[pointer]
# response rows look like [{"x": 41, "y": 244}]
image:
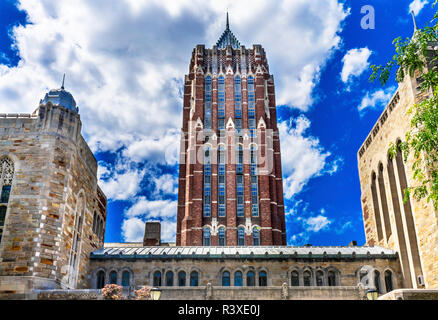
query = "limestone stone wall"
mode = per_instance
[
  {"x": 415, "y": 238},
  {"x": 54, "y": 167},
  {"x": 278, "y": 272}
]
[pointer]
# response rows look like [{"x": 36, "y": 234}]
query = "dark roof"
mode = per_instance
[
  {"x": 228, "y": 38},
  {"x": 259, "y": 252}
]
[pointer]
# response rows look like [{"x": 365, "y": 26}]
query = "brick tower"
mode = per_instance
[{"x": 230, "y": 181}]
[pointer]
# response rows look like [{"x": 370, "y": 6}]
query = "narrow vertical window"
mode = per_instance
[
  {"x": 181, "y": 279},
  {"x": 240, "y": 236},
  {"x": 225, "y": 279},
  {"x": 206, "y": 238},
  {"x": 222, "y": 236},
  {"x": 254, "y": 182},
  {"x": 221, "y": 102},
  {"x": 157, "y": 279},
  {"x": 250, "y": 279},
  {"x": 319, "y": 278},
  {"x": 238, "y": 279},
  {"x": 251, "y": 106},
  {"x": 207, "y": 103},
  {"x": 331, "y": 278},
  {"x": 376, "y": 206},
  {"x": 307, "y": 278},
  {"x": 100, "y": 281},
  {"x": 384, "y": 202},
  {"x": 294, "y": 281},
  {"x": 169, "y": 279},
  {"x": 263, "y": 279},
  {"x": 238, "y": 103},
  {"x": 194, "y": 281},
  {"x": 240, "y": 195},
  {"x": 388, "y": 281},
  {"x": 113, "y": 277},
  {"x": 6, "y": 177},
  {"x": 207, "y": 182},
  {"x": 221, "y": 181},
  {"x": 377, "y": 281},
  {"x": 255, "y": 236},
  {"x": 76, "y": 241},
  {"x": 125, "y": 279}
]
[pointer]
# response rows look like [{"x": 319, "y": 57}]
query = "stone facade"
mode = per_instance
[
  {"x": 55, "y": 204},
  {"x": 331, "y": 276},
  {"x": 410, "y": 228},
  {"x": 229, "y": 103}
]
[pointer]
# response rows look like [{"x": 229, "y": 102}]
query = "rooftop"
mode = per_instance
[
  {"x": 228, "y": 38},
  {"x": 261, "y": 252}
]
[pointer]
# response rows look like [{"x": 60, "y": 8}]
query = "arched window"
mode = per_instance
[
  {"x": 319, "y": 278},
  {"x": 6, "y": 177},
  {"x": 169, "y": 279},
  {"x": 181, "y": 279},
  {"x": 206, "y": 237},
  {"x": 225, "y": 279},
  {"x": 250, "y": 279},
  {"x": 307, "y": 278},
  {"x": 294, "y": 281},
  {"x": 125, "y": 279},
  {"x": 331, "y": 278},
  {"x": 222, "y": 236},
  {"x": 76, "y": 243},
  {"x": 194, "y": 281},
  {"x": 377, "y": 281},
  {"x": 100, "y": 282},
  {"x": 388, "y": 281},
  {"x": 157, "y": 279},
  {"x": 238, "y": 280},
  {"x": 263, "y": 279},
  {"x": 240, "y": 236},
  {"x": 113, "y": 277},
  {"x": 256, "y": 236}
]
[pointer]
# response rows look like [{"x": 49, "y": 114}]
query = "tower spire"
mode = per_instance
[
  {"x": 228, "y": 23},
  {"x": 413, "y": 18},
  {"x": 63, "y": 79}
]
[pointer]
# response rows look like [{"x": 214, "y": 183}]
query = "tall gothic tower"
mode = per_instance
[{"x": 230, "y": 180}]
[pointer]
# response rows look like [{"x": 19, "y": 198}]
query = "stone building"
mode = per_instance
[
  {"x": 411, "y": 227},
  {"x": 52, "y": 212},
  {"x": 230, "y": 180}
]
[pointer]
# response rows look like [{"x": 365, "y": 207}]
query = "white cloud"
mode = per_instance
[
  {"x": 152, "y": 208},
  {"x": 354, "y": 62},
  {"x": 317, "y": 223},
  {"x": 377, "y": 99},
  {"x": 302, "y": 156},
  {"x": 417, "y": 6},
  {"x": 167, "y": 184},
  {"x": 120, "y": 186}
]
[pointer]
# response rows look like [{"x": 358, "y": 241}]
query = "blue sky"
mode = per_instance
[{"x": 125, "y": 64}]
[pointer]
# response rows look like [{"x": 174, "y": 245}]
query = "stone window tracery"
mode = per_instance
[{"x": 6, "y": 178}]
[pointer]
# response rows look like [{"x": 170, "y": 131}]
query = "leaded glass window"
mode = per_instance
[
  {"x": 225, "y": 279},
  {"x": 206, "y": 237},
  {"x": 6, "y": 178},
  {"x": 240, "y": 236},
  {"x": 125, "y": 278},
  {"x": 238, "y": 279},
  {"x": 194, "y": 279},
  {"x": 256, "y": 236},
  {"x": 207, "y": 103},
  {"x": 222, "y": 236}
]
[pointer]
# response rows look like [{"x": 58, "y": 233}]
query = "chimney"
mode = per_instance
[
  {"x": 152, "y": 234},
  {"x": 353, "y": 243}
]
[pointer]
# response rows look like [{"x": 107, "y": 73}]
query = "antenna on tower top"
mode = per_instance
[
  {"x": 413, "y": 18},
  {"x": 63, "y": 79},
  {"x": 228, "y": 24}
]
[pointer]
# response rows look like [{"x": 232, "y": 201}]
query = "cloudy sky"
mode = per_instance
[{"x": 125, "y": 61}]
